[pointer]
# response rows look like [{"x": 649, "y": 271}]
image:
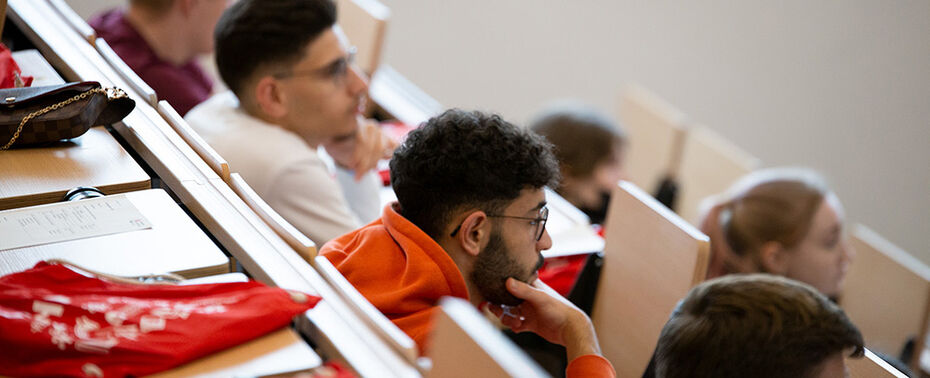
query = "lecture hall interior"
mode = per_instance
[{"x": 177, "y": 197}]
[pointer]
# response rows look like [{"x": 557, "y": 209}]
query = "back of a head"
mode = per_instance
[
  {"x": 771, "y": 205},
  {"x": 753, "y": 326},
  {"x": 255, "y": 34},
  {"x": 582, "y": 135},
  {"x": 461, "y": 159}
]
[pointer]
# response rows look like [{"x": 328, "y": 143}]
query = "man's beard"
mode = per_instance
[{"x": 492, "y": 268}]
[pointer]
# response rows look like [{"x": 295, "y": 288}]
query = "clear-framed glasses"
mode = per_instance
[
  {"x": 539, "y": 221},
  {"x": 336, "y": 71}
]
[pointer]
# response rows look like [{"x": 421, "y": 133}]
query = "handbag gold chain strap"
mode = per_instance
[{"x": 111, "y": 93}]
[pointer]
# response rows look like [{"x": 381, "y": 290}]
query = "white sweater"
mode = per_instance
[{"x": 321, "y": 201}]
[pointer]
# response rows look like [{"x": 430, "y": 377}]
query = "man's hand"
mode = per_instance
[
  {"x": 361, "y": 150},
  {"x": 549, "y": 315}
]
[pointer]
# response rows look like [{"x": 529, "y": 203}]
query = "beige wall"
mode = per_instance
[{"x": 841, "y": 86}]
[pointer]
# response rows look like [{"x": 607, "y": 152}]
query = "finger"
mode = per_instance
[{"x": 521, "y": 290}]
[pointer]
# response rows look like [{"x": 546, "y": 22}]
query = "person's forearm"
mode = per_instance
[{"x": 580, "y": 339}]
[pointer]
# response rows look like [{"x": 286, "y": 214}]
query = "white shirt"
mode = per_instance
[{"x": 286, "y": 172}]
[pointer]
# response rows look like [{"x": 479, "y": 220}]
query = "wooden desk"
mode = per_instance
[
  {"x": 173, "y": 244},
  {"x": 31, "y": 63},
  {"x": 34, "y": 176},
  {"x": 278, "y": 352}
]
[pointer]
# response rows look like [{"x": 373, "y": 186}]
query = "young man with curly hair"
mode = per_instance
[{"x": 470, "y": 222}]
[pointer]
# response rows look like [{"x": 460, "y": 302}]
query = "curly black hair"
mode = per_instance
[{"x": 462, "y": 159}]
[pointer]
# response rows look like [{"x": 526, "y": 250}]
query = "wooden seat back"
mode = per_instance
[{"x": 652, "y": 258}]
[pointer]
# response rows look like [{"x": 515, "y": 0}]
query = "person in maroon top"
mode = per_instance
[{"x": 160, "y": 40}]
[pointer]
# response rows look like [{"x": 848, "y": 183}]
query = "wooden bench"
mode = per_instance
[
  {"x": 709, "y": 165},
  {"x": 887, "y": 294},
  {"x": 652, "y": 258},
  {"x": 464, "y": 344}
]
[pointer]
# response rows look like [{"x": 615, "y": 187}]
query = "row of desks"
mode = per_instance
[{"x": 204, "y": 203}]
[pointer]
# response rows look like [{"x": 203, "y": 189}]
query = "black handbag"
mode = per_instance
[{"x": 35, "y": 115}]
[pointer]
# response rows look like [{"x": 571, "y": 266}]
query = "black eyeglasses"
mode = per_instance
[
  {"x": 539, "y": 221},
  {"x": 337, "y": 71}
]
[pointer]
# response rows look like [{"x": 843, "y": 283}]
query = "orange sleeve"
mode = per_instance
[{"x": 590, "y": 365}]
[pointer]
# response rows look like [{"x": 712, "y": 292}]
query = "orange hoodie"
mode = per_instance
[
  {"x": 403, "y": 272},
  {"x": 400, "y": 269}
]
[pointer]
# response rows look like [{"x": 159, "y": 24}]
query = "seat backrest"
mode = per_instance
[
  {"x": 464, "y": 344},
  {"x": 389, "y": 332},
  {"x": 887, "y": 294},
  {"x": 656, "y": 133},
  {"x": 871, "y": 366},
  {"x": 652, "y": 258},
  {"x": 304, "y": 247},
  {"x": 364, "y": 22},
  {"x": 709, "y": 165},
  {"x": 200, "y": 146}
]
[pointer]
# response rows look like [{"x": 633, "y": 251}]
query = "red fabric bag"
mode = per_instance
[
  {"x": 57, "y": 322},
  {"x": 9, "y": 69}
]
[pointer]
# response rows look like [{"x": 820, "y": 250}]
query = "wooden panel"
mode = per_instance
[
  {"x": 887, "y": 293},
  {"x": 74, "y": 20},
  {"x": 305, "y": 247},
  {"x": 651, "y": 259},
  {"x": 135, "y": 82},
  {"x": 39, "y": 175},
  {"x": 200, "y": 146},
  {"x": 366, "y": 311},
  {"x": 709, "y": 165},
  {"x": 173, "y": 244},
  {"x": 466, "y": 345},
  {"x": 656, "y": 133},
  {"x": 364, "y": 22},
  {"x": 400, "y": 98},
  {"x": 871, "y": 366},
  {"x": 278, "y": 352}
]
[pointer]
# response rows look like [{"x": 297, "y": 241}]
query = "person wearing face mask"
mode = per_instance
[
  {"x": 469, "y": 222},
  {"x": 783, "y": 221},
  {"x": 589, "y": 147}
]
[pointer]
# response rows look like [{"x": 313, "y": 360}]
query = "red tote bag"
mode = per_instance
[{"x": 57, "y": 322}]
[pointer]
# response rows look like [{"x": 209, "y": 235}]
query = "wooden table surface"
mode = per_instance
[{"x": 39, "y": 175}]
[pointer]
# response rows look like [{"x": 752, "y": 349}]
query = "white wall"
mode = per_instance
[{"x": 842, "y": 86}]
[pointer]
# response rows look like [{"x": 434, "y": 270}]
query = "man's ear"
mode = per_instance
[
  {"x": 475, "y": 230},
  {"x": 774, "y": 258},
  {"x": 269, "y": 98}
]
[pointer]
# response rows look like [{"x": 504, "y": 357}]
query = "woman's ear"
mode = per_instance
[
  {"x": 270, "y": 99},
  {"x": 774, "y": 258},
  {"x": 474, "y": 232}
]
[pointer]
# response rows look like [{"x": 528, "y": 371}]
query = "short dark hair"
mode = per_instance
[
  {"x": 755, "y": 325},
  {"x": 255, "y": 33},
  {"x": 582, "y": 135},
  {"x": 462, "y": 159}
]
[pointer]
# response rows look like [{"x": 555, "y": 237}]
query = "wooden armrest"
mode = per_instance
[
  {"x": 200, "y": 146},
  {"x": 73, "y": 19},
  {"x": 366, "y": 311},
  {"x": 305, "y": 247},
  {"x": 138, "y": 85}
]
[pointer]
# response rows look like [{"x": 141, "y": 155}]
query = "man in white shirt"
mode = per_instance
[{"x": 294, "y": 88}]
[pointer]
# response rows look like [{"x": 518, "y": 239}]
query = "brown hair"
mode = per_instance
[
  {"x": 755, "y": 325},
  {"x": 772, "y": 205},
  {"x": 583, "y": 136}
]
